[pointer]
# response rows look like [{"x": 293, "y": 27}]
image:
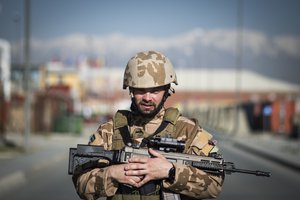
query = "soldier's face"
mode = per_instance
[{"x": 148, "y": 100}]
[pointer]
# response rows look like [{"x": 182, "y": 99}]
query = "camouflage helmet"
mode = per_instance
[{"x": 149, "y": 69}]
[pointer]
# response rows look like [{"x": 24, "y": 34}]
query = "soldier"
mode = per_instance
[{"x": 149, "y": 75}]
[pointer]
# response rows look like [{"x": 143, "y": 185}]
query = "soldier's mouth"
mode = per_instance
[{"x": 147, "y": 106}]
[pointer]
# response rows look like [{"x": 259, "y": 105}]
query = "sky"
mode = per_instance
[{"x": 192, "y": 33}]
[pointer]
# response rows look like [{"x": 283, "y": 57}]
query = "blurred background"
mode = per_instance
[{"x": 61, "y": 72}]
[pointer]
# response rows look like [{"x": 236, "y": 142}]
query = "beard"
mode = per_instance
[{"x": 146, "y": 109}]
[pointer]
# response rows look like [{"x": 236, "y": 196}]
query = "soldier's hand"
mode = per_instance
[
  {"x": 154, "y": 168},
  {"x": 117, "y": 172}
]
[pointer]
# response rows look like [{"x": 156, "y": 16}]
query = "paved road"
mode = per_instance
[
  {"x": 283, "y": 183},
  {"x": 48, "y": 179},
  {"x": 45, "y": 178}
]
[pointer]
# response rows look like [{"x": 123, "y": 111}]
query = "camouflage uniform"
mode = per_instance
[{"x": 146, "y": 70}]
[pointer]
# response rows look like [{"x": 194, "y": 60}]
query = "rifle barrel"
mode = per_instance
[{"x": 246, "y": 171}]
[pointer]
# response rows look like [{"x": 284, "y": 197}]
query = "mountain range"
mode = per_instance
[{"x": 272, "y": 56}]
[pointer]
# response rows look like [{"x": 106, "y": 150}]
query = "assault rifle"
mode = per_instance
[{"x": 86, "y": 157}]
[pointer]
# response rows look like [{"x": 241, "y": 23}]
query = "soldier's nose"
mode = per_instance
[{"x": 147, "y": 96}]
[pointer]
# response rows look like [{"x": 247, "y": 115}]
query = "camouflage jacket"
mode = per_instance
[{"x": 189, "y": 182}]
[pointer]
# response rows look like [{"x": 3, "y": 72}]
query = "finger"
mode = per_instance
[
  {"x": 132, "y": 182},
  {"x": 134, "y": 166},
  {"x": 155, "y": 153},
  {"x": 136, "y": 172},
  {"x": 138, "y": 160},
  {"x": 137, "y": 179},
  {"x": 143, "y": 182}
]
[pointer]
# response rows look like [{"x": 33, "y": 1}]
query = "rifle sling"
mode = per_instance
[
  {"x": 161, "y": 127},
  {"x": 124, "y": 132},
  {"x": 128, "y": 140}
]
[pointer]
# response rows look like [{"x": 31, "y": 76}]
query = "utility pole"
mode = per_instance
[
  {"x": 239, "y": 62},
  {"x": 17, "y": 19},
  {"x": 27, "y": 106}
]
